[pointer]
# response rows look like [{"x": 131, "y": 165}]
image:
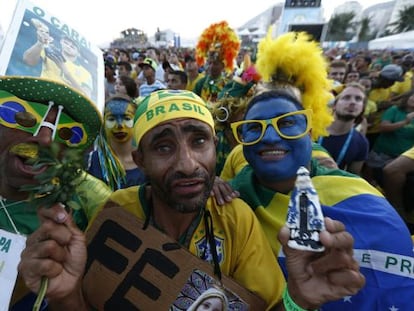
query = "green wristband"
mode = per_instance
[{"x": 288, "y": 302}]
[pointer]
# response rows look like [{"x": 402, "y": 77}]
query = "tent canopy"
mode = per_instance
[{"x": 401, "y": 41}]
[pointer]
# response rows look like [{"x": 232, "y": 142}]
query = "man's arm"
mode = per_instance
[
  {"x": 33, "y": 54},
  {"x": 355, "y": 167},
  {"x": 395, "y": 175}
]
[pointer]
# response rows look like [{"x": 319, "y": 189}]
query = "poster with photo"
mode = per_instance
[{"x": 40, "y": 44}]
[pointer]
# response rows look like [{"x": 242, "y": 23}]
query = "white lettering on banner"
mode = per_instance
[
  {"x": 11, "y": 246},
  {"x": 381, "y": 261},
  {"x": 386, "y": 262}
]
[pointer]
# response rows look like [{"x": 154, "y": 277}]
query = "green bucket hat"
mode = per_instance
[{"x": 42, "y": 91}]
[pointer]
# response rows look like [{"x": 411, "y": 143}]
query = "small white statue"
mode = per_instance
[{"x": 305, "y": 218}]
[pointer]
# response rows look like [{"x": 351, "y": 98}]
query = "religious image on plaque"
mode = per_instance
[{"x": 202, "y": 290}]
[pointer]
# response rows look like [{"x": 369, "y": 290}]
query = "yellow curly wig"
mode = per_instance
[{"x": 294, "y": 59}]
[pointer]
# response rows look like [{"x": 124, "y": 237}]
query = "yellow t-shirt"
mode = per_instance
[
  {"x": 52, "y": 71},
  {"x": 191, "y": 84},
  {"x": 245, "y": 255},
  {"x": 377, "y": 96},
  {"x": 370, "y": 107},
  {"x": 402, "y": 87}
]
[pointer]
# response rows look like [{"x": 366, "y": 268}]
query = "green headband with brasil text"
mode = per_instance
[{"x": 164, "y": 105}]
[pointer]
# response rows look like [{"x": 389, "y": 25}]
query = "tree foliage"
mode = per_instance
[
  {"x": 405, "y": 20},
  {"x": 365, "y": 33},
  {"x": 341, "y": 27}
]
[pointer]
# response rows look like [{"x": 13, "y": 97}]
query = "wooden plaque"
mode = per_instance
[{"x": 130, "y": 268}]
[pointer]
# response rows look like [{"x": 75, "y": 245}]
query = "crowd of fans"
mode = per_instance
[{"x": 372, "y": 104}]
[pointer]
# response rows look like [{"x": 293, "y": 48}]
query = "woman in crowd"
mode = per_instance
[
  {"x": 112, "y": 160},
  {"x": 126, "y": 86}
]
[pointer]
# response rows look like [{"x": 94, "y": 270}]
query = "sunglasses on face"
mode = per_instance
[
  {"x": 30, "y": 117},
  {"x": 292, "y": 125}
]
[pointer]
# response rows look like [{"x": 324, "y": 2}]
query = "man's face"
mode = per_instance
[
  {"x": 360, "y": 63},
  {"x": 275, "y": 158},
  {"x": 122, "y": 71},
  {"x": 119, "y": 121},
  {"x": 148, "y": 72},
  {"x": 109, "y": 72},
  {"x": 366, "y": 83},
  {"x": 337, "y": 73},
  {"x": 13, "y": 164},
  {"x": 69, "y": 48},
  {"x": 174, "y": 82},
  {"x": 123, "y": 57},
  {"x": 352, "y": 76},
  {"x": 191, "y": 66},
  {"x": 178, "y": 157},
  {"x": 151, "y": 54},
  {"x": 350, "y": 104},
  {"x": 216, "y": 68}
]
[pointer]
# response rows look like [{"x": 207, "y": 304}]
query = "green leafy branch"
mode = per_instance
[{"x": 57, "y": 183}]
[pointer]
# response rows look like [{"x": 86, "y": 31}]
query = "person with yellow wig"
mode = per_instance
[{"x": 281, "y": 121}]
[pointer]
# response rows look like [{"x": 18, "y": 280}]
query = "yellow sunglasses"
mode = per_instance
[{"x": 292, "y": 125}]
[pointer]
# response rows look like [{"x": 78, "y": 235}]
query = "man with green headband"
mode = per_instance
[
  {"x": 176, "y": 141},
  {"x": 34, "y": 113}
]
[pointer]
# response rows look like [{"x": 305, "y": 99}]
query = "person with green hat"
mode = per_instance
[
  {"x": 35, "y": 114},
  {"x": 175, "y": 136}
]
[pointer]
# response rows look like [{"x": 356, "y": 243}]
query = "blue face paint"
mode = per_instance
[
  {"x": 119, "y": 113},
  {"x": 275, "y": 158},
  {"x": 119, "y": 120}
]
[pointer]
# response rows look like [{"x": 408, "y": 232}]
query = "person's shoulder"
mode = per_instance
[
  {"x": 360, "y": 137},
  {"x": 243, "y": 178},
  {"x": 237, "y": 211},
  {"x": 131, "y": 199},
  {"x": 126, "y": 195},
  {"x": 159, "y": 84},
  {"x": 201, "y": 80},
  {"x": 335, "y": 186}
]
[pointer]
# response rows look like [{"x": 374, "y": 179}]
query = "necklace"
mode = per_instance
[
  {"x": 4, "y": 207},
  {"x": 185, "y": 239}
]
